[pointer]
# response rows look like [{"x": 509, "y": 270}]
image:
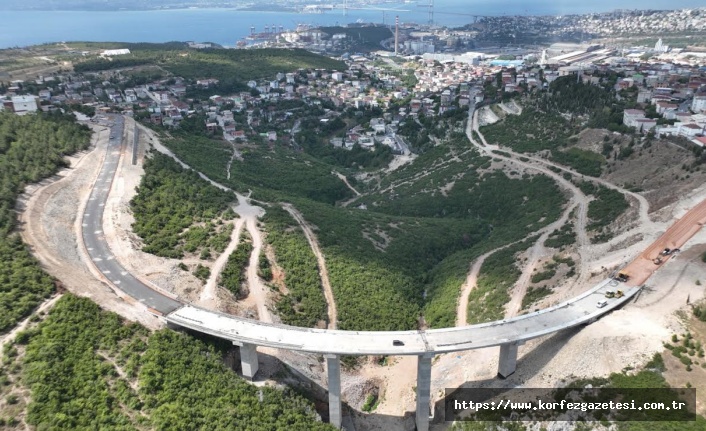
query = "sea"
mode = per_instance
[{"x": 227, "y": 26}]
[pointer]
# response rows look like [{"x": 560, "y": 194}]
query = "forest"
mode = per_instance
[
  {"x": 88, "y": 369},
  {"x": 32, "y": 147},
  {"x": 363, "y": 38},
  {"x": 567, "y": 95},
  {"x": 597, "y": 103},
  {"x": 168, "y": 201},
  {"x": 321, "y": 148},
  {"x": 304, "y": 304}
]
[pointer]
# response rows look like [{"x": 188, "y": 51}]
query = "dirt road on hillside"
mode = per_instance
[
  {"x": 209, "y": 294},
  {"x": 676, "y": 236},
  {"x": 323, "y": 272}
]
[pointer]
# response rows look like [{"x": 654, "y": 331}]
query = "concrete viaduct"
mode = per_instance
[{"x": 248, "y": 334}]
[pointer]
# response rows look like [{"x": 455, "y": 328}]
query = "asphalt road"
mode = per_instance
[{"x": 94, "y": 239}]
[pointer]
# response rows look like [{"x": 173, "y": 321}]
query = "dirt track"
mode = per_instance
[
  {"x": 676, "y": 236},
  {"x": 323, "y": 272}
]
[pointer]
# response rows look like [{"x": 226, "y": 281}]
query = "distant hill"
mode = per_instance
[
  {"x": 233, "y": 65},
  {"x": 111, "y": 5}
]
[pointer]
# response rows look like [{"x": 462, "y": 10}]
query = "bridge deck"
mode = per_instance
[{"x": 579, "y": 310}]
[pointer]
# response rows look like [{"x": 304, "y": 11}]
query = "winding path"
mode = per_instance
[
  {"x": 208, "y": 294},
  {"x": 543, "y": 165},
  {"x": 323, "y": 272},
  {"x": 469, "y": 285},
  {"x": 258, "y": 290},
  {"x": 579, "y": 199},
  {"x": 345, "y": 180}
]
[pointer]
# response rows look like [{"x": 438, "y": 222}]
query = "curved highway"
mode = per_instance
[
  {"x": 92, "y": 231},
  {"x": 577, "y": 311}
]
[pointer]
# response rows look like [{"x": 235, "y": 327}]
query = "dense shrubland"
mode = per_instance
[
  {"x": 604, "y": 209},
  {"x": 87, "y": 369},
  {"x": 388, "y": 253},
  {"x": 234, "y": 273},
  {"x": 498, "y": 274},
  {"x": 530, "y": 131},
  {"x": 304, "y": 304},
  {"x": 170, "y": 200},
  {"x": 286, "y": 172}
]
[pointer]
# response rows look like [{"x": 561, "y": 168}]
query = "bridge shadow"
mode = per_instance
[
  {"x": 528, "y": 366},
  {"x": 274, "y": 368}
]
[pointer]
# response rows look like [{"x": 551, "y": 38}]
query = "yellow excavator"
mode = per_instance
[{"x": 614, "y": 294}]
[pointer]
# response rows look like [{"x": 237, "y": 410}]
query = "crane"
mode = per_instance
[{"x": 429, "y": 5}]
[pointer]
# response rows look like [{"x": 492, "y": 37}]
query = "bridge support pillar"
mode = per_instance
[
  {"x": 507, "y": 362},
  {"x": 423, "y": 390},
  {"x": 333, "y": 366},
  {"x": 248, "y": 359}
]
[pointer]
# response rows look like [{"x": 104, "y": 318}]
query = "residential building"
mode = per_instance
[
  {"x": 699, "y": 104},
  {"x": 630, "y": 117},
  {"x": 24, "y": 104}
]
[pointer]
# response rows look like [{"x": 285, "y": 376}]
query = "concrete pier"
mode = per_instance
[
  {"x": 507, "y": 362},
  {"x": 248, "y": 359},
  {"x": 423, "y": 390},
  {"x": 333, "y": 366}
]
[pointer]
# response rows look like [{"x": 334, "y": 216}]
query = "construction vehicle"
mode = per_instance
[
  {"x": 622, "y": 277},
  {"x": 667, "y": 252},
  {"x": 657, "y": 260},
  {"x": 614, "y": 294}
]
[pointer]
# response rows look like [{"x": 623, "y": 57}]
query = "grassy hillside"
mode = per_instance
[{"x": 224, "y": 64}]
